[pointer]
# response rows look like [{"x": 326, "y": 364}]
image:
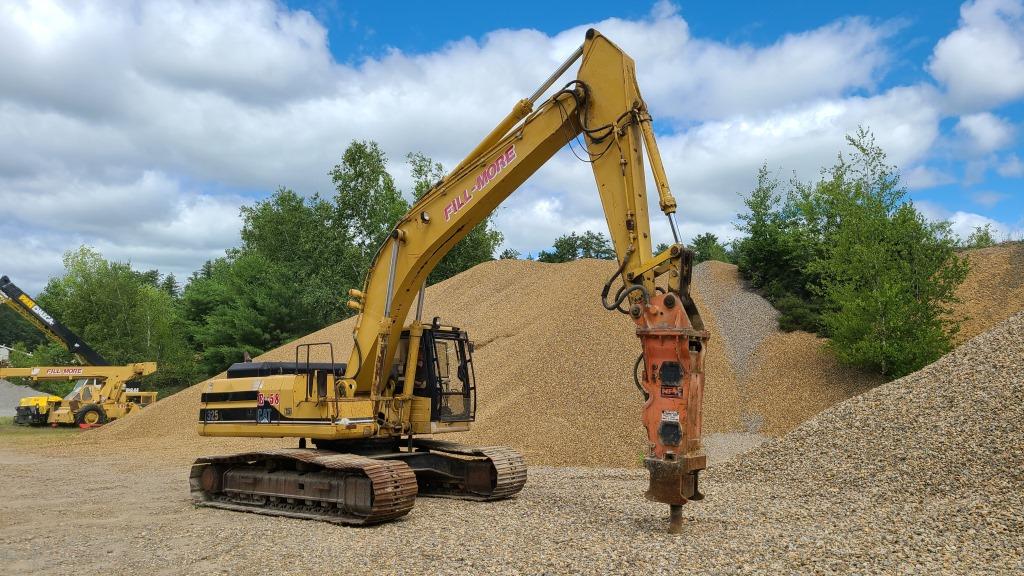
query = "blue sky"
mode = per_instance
[
  {"x": 140, "y": 128},
  {"x": 360, "y": 30}
]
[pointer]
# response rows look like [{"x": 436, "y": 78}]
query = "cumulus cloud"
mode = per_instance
[
  {"x": 688, "y": 78},
  {"x": 963, "y": 223},
  {"x": 988, "y": 198},
  {"x": 921, "y": 176},
  {"x": 981, "y": 63},
  {"x": 984, "y": 132},
  {"x": 149, "y": 123},
  {"x": 1012, "y": 167}
]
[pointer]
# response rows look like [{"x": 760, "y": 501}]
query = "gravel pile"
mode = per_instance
[
  {"x": 10, "y": 394},
  {"x": 993, "y": 290},
  {"x": 553, "y": 367},
  {"x": 923, "y": 475},
  {"x": 794, "y": 378},
  {"x": 744, "y": 319}
]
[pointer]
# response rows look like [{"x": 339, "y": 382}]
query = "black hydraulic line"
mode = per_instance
[
  {"x": 624, "y": 291},
  {"x": 636, "y": 378}
]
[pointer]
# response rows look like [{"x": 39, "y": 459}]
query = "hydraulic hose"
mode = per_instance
[
  {"x": 636, "y": 378},
  {"x": 623, "y": 292}
]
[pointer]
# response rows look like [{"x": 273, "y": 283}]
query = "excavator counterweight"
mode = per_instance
[{"x": 407, "y": 378}]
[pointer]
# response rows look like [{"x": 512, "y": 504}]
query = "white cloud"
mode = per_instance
[
  {"x": 984, "y": 132},
  {"x": 981, "y": 63},
  {"x": 146, "y": 120},
  {"x": 963, "y": 223},
  {"x": 687, "y": 78},
  {"x": 1012, "y": 167},
  {"x": 988, "y": 198},
  {"x": 922, "y": 177}
]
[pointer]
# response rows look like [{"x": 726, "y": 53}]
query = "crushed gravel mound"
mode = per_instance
[
  {"x": 963, "y": 414},
  {"x": 796, "y": 377},
  {"x": 924, "y": 475},
  {"x": 744, "y": 319},
  {"x": 929, "y": 467},
  {"x": 993, "y": 290},
  {"x": 553, "y": 366}
]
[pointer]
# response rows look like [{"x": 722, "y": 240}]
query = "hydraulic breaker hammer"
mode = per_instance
[{"x": 673, "y": 340}]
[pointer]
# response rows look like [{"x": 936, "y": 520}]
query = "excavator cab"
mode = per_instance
[{"x": 444, "y": 372}]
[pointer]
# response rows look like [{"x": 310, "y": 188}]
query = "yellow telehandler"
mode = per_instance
[{"x": 101, "y": 394}]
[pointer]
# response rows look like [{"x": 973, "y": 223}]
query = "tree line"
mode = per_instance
[
  {"x": 297, "y": 258},
  {"x": 847, "y": 256}
]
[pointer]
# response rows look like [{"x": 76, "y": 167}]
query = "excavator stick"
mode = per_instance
[{"x": 673, "y": 339}]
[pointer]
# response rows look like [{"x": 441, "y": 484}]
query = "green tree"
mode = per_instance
[
  {"x": 981, "y": 237},
  {"x": 478, "y": 246},
  {"x": 304, "y": 238},
  {"x": 574, "y": 246},
  {"x": 14, "y": 329},
  {"x": 783, "y": 236},
  {"x": 851, "y": 258},
  {"x": 299, "y": 255},
  {"x": 367, "y": 202},
  {"x": 510, "y": 254},
  {"x": 169, "y": 284},
  {"x": 122, "y": 314},
  {"x": 889, "y": 275},
  {"x": 243, "y": 303},
  {"x": 707, "y": 247},
  {"x": 46, "y": 354}
]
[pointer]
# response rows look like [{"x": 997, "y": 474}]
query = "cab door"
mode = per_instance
[{"x": 450, "y": 379}]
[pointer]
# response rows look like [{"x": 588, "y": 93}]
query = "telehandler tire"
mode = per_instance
[{"x": 91, "y": 415}]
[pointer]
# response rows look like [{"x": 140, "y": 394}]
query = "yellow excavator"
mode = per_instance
[
  {"x": 101, "y": 393},
  {"x": 405, "y": 380}
]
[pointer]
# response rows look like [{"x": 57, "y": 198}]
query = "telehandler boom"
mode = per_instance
[
  {"x": 404, "y": 380},
  {"x": 28, "y": 309}
]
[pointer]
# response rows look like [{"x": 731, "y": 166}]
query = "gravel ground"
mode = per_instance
[
  {"x": 923, "y": 475},
  {"x": 10, "y": 394}
]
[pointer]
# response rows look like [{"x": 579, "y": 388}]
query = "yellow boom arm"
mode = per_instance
[
  {"x": 605, "y": 106},
  {"x": 112, "y": 373}
]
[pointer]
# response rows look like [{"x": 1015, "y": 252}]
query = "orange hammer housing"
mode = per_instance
[{"x": 673, "y": 339}]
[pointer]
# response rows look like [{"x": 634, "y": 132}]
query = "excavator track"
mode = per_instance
[
  {"x": 307, "y": 484},
  {"x": 506, "y": 475}
]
